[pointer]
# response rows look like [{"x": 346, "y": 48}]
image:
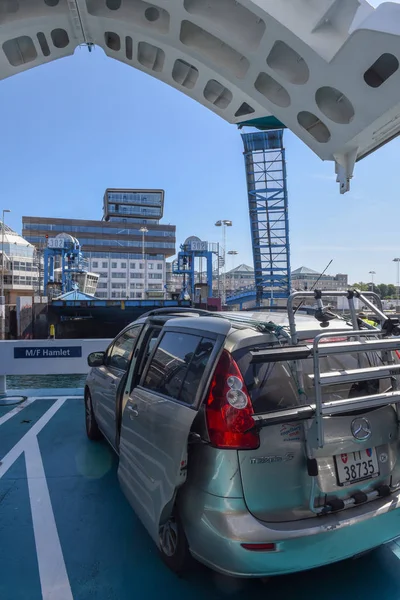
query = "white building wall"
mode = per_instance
[{"x": 121, "y": 278}]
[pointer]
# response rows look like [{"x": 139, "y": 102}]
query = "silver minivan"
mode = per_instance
[{"x": 256, "y": 443}]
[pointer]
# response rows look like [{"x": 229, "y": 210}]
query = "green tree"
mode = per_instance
[
  {"x": 382, "y": 290},
  {"x": 391, "y": 290},
  {"x": 363, "y": 287}
]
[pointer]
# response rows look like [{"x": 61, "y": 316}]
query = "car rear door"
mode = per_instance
[
  {"x": 108, "y": 378},
  {"x": 159, "y": 415}
]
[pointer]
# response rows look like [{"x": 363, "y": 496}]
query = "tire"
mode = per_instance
[
  {"x": 174, "y": 547},
  {"x": 92, "y": 429}
]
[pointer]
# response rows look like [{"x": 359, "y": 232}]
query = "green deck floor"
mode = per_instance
[{"x": 105, "y": 552}]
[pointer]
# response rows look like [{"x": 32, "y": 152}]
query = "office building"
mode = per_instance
[
  {"x": 128, "y": 248},
  {"x": 305, "y": 279},
  {"x": 238, "y": 278}
]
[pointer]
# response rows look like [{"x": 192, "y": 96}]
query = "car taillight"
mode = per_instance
[{"x": 228, "y": 408}]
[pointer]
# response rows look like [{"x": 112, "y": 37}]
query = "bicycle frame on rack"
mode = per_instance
[{"x": 354, "y": 344}]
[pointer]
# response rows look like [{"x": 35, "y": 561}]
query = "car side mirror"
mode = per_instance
[{"x": 96, "y": 359}]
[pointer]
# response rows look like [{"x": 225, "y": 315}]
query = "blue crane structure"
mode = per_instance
[
  {"x": 64, "y": 250},
  {"x": 265, "y": 164},
  {"x": 185, "y": 265}
]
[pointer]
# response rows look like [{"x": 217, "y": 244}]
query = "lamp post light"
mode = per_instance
[
  {"x": 2, "y": 297},
  {"x": 397, "y": 260},
  {"x": 144, "y": 230},
  {"x": 372, "y": 273},
  {"x": 224, "y": 223}
]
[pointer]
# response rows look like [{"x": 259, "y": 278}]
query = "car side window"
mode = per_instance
[
  {"x": 178, "y": 365},
  {"x": 121, "y": 352}
]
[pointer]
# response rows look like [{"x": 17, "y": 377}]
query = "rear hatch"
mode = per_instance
[{"x": 276, "y": 482}]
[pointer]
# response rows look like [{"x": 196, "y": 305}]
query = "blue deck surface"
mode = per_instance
[{"x": 105, "y": 552}]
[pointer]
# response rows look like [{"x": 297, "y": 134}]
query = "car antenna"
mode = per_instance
[{"x": 313, "y": 286}]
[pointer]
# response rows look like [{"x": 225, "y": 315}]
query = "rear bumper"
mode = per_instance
[{"x": 216, "y": 528}]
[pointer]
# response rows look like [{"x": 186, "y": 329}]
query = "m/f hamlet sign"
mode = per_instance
[{"x": 49, "y": 352}]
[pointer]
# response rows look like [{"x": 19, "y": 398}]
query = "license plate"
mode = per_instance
[{"x": 356, "y": 466}]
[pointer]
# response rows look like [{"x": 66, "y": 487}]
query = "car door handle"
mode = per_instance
[{"x": 133, "y": 412}]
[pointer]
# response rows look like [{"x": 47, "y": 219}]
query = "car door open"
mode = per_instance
[
  {"x": 109, "y": 378},
  {"x": 159, "y": 415}
]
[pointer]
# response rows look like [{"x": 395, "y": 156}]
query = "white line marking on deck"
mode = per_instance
[
  {"x": 15, "y": 453},
  {"x": 52, "y": 570},
  {"x": 395, "y": 547},
  {"x": 16, "y": 410}
]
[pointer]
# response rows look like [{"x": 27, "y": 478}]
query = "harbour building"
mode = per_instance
[
  {"x": 20, "y": 265},
  {"x": 305, "y": 279},
  {"x": 128, "y": 248}
]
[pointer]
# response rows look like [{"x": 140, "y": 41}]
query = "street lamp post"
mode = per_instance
[
  {"x": 224, "y": 223},
  {"x": 372, "y": 273},
  {"x": 144, "y": 230},
  {"x": 2, "y": 297},
  {"x": 397, "y": 260},
  {"x": 233, "y": 253},
  {"x": 218, "y": 272}
]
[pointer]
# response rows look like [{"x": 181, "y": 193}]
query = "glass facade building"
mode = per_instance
[{"x": 144, "y": 206}]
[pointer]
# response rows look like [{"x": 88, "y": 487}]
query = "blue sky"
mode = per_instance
[{"x": 82, "y": 124}]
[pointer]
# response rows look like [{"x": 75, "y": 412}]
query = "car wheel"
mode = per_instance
[
  {"x": 174, "y": 548},
  {"x": 92, "y": 429}
]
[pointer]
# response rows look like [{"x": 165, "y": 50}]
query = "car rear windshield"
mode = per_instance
[{"x": 272, "y": 386}]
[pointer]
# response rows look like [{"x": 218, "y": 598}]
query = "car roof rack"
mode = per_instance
[{"x": 176, "y": 310}]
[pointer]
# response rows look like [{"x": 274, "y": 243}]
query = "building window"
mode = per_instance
[
  {"x": 102, "y": 285},
  {"x": 151, "y": 266},
  {"x": 137, "y": 276},
  {"x": 118, "y": 275},
  {"x": 123, "y": 265},
  {"x": 133, "y": 265},
  {"x": 155, "y": 275},
  {"x": 141, "y": 266},
  {"x": 160, "y": 266},
  {"x": 114, "y": 265},
  {"x": 95, "y": 264},
  {"x": 118, "y": 286},
  {"x": 103, "y": 275},
  {"x": 137, "y": 286},
  {"x": 139, "y": 295},
  {"x": 104, "y": 265}
]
